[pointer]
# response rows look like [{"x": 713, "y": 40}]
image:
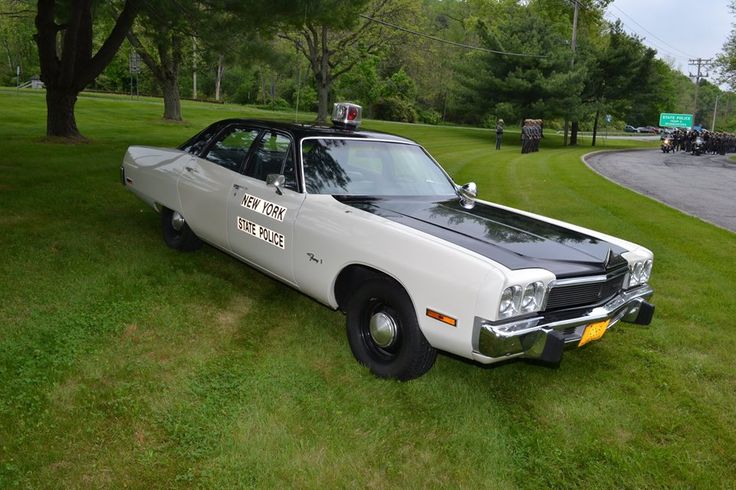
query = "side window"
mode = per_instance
[
  {"x": 273, "y": 156},
  {"x": 231, "y": 147}
]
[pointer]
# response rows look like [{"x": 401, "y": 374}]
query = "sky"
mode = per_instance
[{"x": 678, "y": 29}]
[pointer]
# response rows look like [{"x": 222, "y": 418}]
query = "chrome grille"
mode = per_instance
[{"x": 585, "y": 293}]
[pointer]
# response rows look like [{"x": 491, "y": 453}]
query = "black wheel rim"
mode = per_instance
[{"x": 386, "y": 353}]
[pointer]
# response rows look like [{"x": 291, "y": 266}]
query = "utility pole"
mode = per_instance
[
  {"x": 700, "y": 63},
  {"x": 573, "y": 45}
]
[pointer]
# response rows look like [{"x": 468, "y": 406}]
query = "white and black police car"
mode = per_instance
[{"x": 369, "y": 223}]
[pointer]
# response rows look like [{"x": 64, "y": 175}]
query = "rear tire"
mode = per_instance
[
  {"x": 177, "y": 233},
  {"x": 384, "y": 334}
]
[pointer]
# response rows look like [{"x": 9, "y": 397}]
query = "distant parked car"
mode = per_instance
[
  {"x": 647, "y": 129},
  {"x": 630, "y": 129}
]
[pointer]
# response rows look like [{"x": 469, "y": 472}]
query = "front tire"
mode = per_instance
[
  {"x": 384, "y": 334},
  {"x": 177, "y": 233}
]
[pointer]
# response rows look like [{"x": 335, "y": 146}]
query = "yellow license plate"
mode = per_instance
[{"x": 594, "y": 331}]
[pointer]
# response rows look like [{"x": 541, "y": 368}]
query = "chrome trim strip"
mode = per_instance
[
  {"x": 503, "y": 340},
  {"x": 575, "y": 281}
]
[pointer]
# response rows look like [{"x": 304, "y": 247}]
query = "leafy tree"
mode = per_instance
[
  {"x": 16, "y": 42},
  {"x": 239, "y": 35},
  {"x": 64, "y": 36},
  {"x": 400, "y": 85},
  {"x": 159, "y": 37},
  {"x": 362, "y": 84},
  {"x": 726, "y": 60},
  {"x": 707, "y": 96},
  {"x": 334, "y": 37},
  {"x": 535, "y": 84},
  {"x": 619, "y": 74}
]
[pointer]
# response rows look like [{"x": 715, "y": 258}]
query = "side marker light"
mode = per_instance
[{"x": 443, "y": 318}]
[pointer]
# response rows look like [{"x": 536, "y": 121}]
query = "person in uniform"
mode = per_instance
[
  {"x": 499, "y": 133},
  {"x": 537, "y": 133},
  {"x": 525, "y": 136}
]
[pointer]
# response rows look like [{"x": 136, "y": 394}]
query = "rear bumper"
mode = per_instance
[{"x": 545, "y": 338}]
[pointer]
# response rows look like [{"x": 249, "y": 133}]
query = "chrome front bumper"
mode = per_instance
[{"x": 545, "y": 337}]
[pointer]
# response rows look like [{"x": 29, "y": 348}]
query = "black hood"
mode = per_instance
[{"x": 511, "y": 239}]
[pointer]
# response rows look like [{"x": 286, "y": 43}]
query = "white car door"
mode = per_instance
[
  {"x": 206, "y": 182},
  {"x": 261, "y": 217}
]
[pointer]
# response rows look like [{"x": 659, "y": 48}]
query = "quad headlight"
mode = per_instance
[
  {"x": 518, "y": 300},
  {"x": 639, "y": 272}
]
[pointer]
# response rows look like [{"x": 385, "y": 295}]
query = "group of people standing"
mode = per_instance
[
  {"x": 717, "y": 142},
  {"x": 531, "y": 135},
  {"x": 532, "y": 131}
]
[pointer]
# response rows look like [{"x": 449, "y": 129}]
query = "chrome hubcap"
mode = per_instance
[
  {"x": 177, "y": 221},
  {"x": 383, "y": 329}
]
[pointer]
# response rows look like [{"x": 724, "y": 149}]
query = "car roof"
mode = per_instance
[{"x": 301, "y": 131}]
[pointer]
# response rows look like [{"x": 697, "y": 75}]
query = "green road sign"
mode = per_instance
[{"x": 667, "y": 120}]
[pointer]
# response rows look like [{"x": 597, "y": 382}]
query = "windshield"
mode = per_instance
[{"x": 371, "y": 168}]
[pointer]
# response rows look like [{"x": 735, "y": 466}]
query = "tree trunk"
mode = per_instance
[
  {"x": 323, "y": 78},
  {"x": 261, "y": 88},
  {"x": 60, "y": 120},
  {"x": 66, "y": 59},
  {"x": 595, "y": 126},
  {"x": 574, "y": 133},
  {"x": 218, "y": 77},
  {"x": 194, "y": 68},
  {"x": 172, "y": 102},
  {"x": 273, "y": 90},
  {"x": 324, "y": 93}
]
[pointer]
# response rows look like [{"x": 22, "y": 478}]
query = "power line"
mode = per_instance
[
  {"x": 655, "y": 45},
  {"x": 646, "y": 41},
  {"x": 452, "y": 43},
  {"x": 651, "y": 33}
]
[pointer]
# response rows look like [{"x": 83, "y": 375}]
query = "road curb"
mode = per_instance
[{"x": 583, "y": 158}]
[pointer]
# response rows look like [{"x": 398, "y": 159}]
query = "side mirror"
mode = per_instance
[
  {"x": 277, "y": 181},
  {"x": 468, "y": 193},
  {"x": 197, "y": 147}
]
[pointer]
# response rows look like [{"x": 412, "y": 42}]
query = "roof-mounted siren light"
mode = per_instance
[{"x": 346, "y": 115}]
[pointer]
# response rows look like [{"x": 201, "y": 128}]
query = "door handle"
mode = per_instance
[
  {"x": 238, "y": 187},
  {"x": 191, "y": 169}
]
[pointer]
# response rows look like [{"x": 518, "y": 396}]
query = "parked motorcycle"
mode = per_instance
[{"x": 667, "y": 145}]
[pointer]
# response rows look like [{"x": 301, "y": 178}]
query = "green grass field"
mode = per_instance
[{"x": 126, "y": 364}]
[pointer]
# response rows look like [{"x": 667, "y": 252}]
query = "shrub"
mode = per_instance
[
  {"x": 277, "y": 104},
  {"x": 394, "y": 109},
  {"x": 430, "y": 116}
]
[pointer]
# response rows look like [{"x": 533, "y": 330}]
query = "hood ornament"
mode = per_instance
[{"x": 613, "y": 260}]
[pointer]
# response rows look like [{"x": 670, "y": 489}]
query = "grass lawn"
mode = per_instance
[{"x": 125, "y": 363}]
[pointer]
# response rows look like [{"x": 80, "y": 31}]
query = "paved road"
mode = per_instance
[{"x": 704, "y": 186}]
